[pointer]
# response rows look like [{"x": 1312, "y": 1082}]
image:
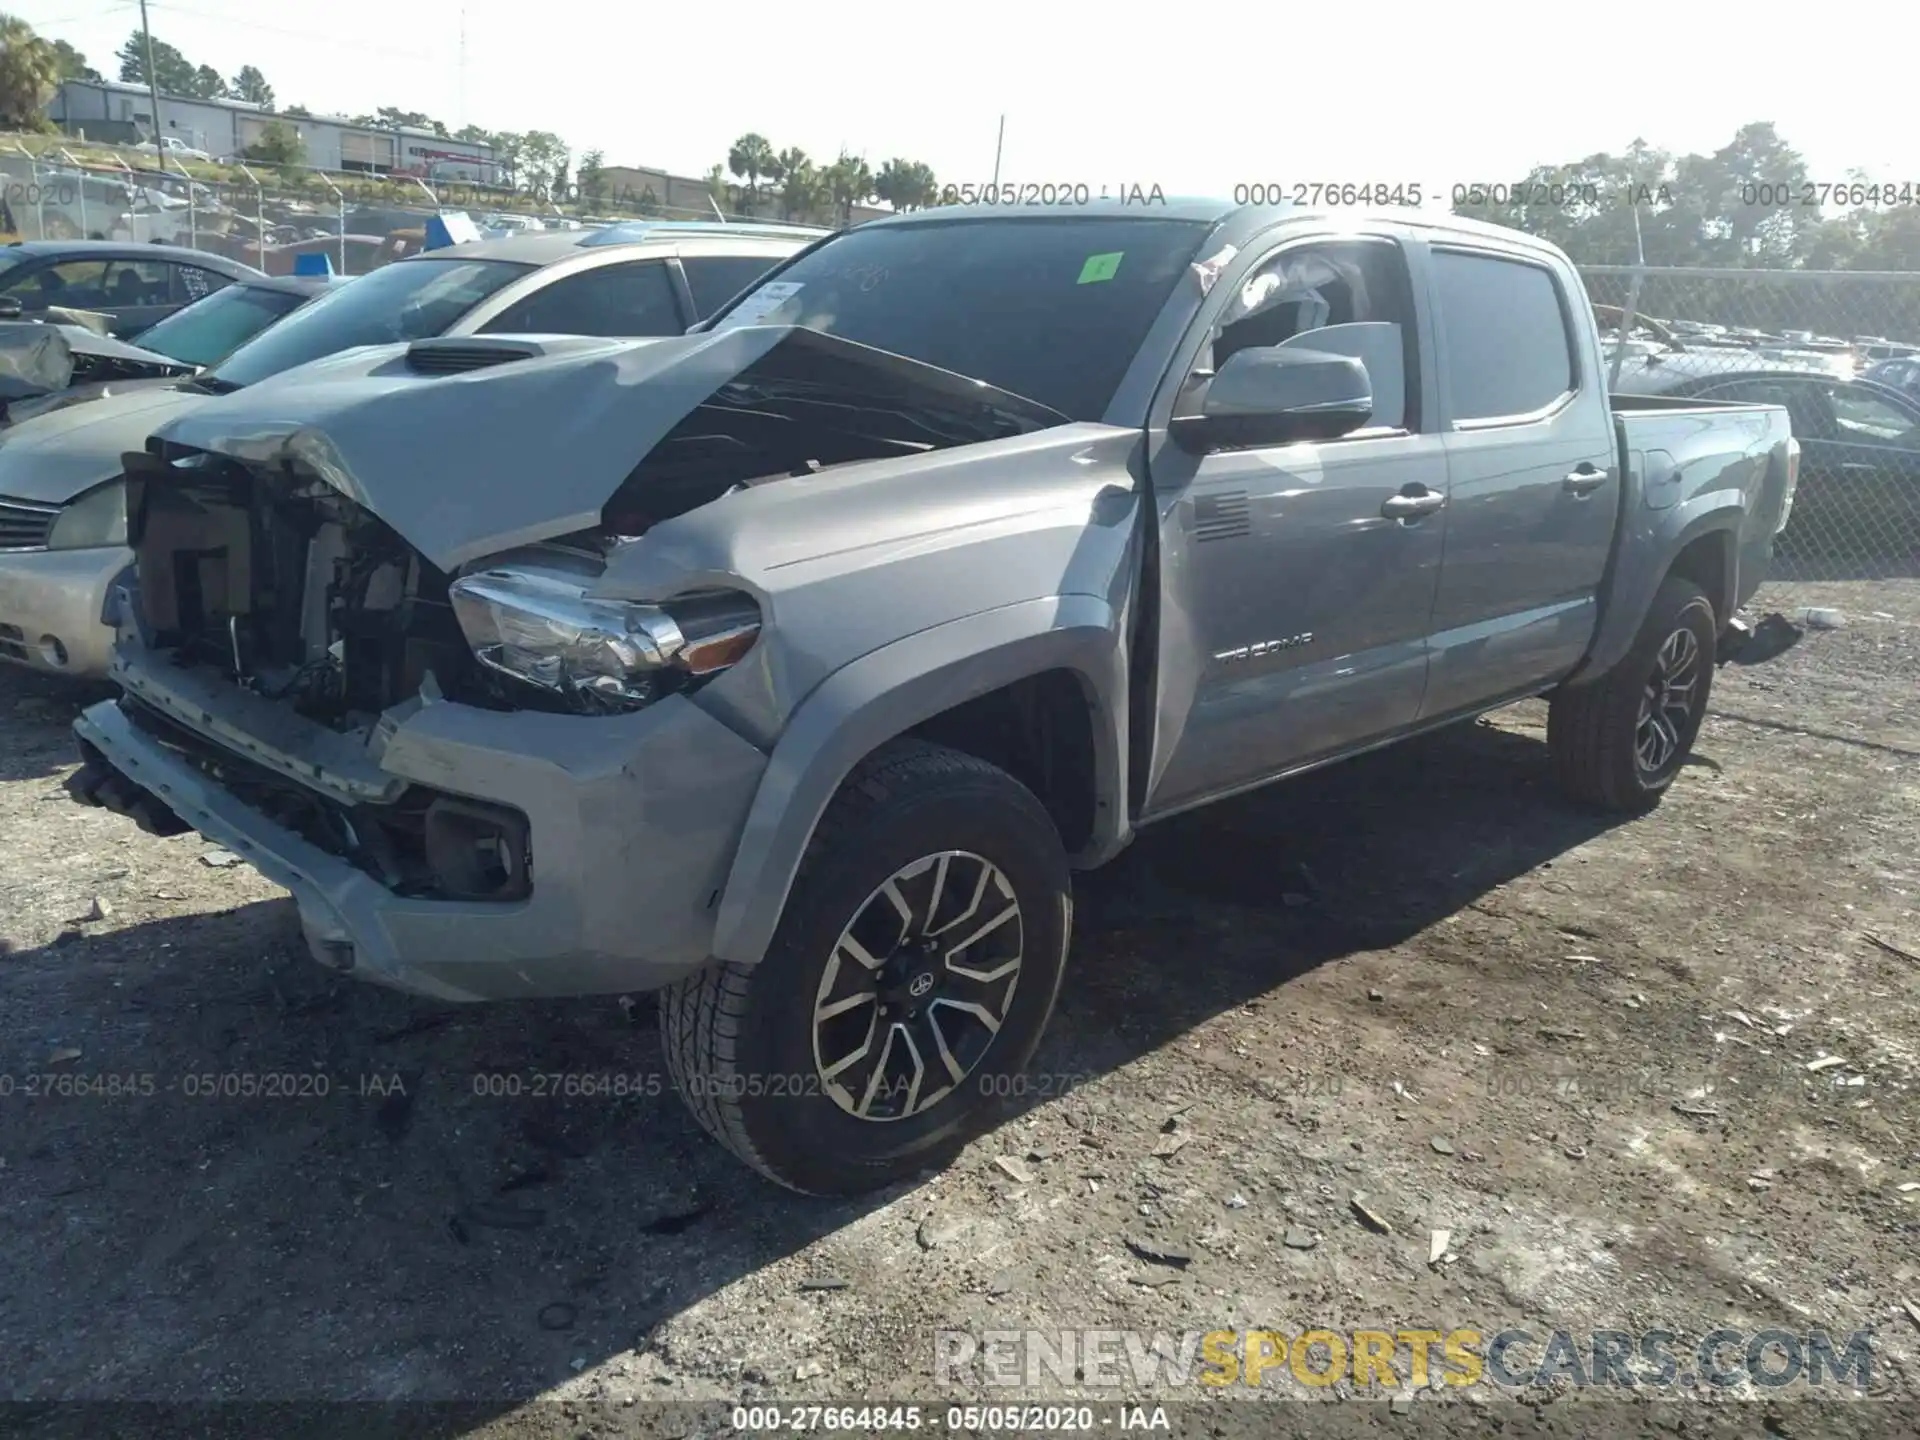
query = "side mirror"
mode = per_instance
[
  {"x": 10, "y": 307},
  {"x": 1270, "y": 395}
]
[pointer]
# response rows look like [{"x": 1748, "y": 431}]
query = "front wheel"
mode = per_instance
[
  {"x": 914, "y": 967},
  {"x": 1618, "y": 742}
]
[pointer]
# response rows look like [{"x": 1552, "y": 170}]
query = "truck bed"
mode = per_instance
[{"x": 1698, "y": 457}]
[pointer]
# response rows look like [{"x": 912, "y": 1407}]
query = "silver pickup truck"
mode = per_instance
[{"x": 790, "y": 667}]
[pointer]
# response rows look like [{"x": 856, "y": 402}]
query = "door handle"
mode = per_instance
[
  {"x": 1585, "y": 481},
  {"x": 1411, "y": 507}
]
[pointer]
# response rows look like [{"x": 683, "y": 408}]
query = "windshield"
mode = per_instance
[
  {"x": 1050, "y": 309},
  {"x": 209, "y": 330},
  {"x": 407, "y": 300}
]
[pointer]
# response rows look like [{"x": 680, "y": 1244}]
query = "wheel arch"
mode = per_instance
[
  {"x": 1702, "y": 547},
  {"x": 937, "y": 685}
]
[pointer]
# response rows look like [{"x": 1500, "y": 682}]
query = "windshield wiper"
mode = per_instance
[{"x": 210, "y": 384}]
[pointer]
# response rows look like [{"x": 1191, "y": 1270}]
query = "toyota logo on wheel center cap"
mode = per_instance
[{"x": 922, "y": 983}]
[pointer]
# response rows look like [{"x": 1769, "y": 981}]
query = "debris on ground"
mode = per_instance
[
  {"x": 1015, "y": 1169},
  {"x": 1825, "y": 1062},
  {"x": 64, "y": 1055},
  {"x": 824, "y": 1282},
  {"x": 1298, "y": 1239},
  {"x": 1441, "y": 1145},
  {"x": 1369, "y": 1217},
  {"x": 219, "y": 859},
  {"x": 1159, "y": 1252},
  {"x": 1437, "y": 1245}
]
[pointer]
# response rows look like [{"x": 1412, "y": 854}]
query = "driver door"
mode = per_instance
[{"x": 1295, "y": 603}]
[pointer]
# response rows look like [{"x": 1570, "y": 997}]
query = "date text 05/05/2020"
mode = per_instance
[{"x": 1052, "y": 192}]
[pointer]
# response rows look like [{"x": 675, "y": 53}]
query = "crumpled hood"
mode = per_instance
[
  {"x": 466, "y": 465},
  {"x": 38, "y": 359},
  {"x": 53, "y": 457}
]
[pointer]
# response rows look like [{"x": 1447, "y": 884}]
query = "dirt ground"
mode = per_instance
[{"x": 1581, "y": 1047}]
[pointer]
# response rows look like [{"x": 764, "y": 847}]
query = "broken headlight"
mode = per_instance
[{"x": 599, "y": 656}]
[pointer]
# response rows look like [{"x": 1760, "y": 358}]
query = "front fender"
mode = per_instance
[{"x": 886, "y": 693}]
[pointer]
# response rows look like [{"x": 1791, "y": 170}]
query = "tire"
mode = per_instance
[
  {"x": 770, "y": 1080},
  {"x": 1597, "y": 738}
]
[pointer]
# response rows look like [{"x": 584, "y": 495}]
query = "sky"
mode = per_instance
[{"x": 1196, "y": 101}]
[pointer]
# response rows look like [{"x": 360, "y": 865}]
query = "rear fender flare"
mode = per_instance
[
  {"x": 1646, "y": 558},
  {"x": 884, "y": 694}
]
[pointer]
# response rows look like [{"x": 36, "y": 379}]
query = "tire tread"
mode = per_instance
[{"x": 702, "y": 1016}]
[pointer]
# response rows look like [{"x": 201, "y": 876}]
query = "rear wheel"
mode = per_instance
[
  {"x": 914, "y": 968},
  {"x": 1619, "y": 741}
]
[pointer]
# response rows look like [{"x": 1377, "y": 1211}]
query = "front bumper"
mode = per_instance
[
  {"x": 633, "y": 822},
  {"x": 50, "y": 605}
]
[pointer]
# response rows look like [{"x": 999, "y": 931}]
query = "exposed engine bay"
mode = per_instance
[
  {"x": 290, "y": 590},
  {"x": 264, "y": 573}
]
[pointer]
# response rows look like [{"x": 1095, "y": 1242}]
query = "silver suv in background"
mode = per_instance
[{"x": 62, "y": 512}]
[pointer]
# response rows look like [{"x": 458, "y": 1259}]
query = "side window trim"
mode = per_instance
[
  {"x": 1417, "y": 398},
  {"x": 1576, "y": 366}
]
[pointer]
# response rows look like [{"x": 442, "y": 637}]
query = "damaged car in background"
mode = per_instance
[
  {"x": 39, "y": 360},
  {"x": 789, "y": 667},
  {"x": 62, "y": 506}
]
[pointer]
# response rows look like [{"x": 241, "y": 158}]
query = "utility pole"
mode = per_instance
[
  {"x": 153, "y": 87},
  {"x": 461, "y": 107},
  {"x": 996, "y": 145}
]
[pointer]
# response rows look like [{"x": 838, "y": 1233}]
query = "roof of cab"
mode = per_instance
[{"x": 1235, "y": 224}]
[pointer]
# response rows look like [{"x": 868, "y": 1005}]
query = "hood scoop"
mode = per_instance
[{"x": 455, "y": 356}]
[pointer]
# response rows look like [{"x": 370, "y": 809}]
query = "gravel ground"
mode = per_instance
[{"x": 1580, "y": 1047}]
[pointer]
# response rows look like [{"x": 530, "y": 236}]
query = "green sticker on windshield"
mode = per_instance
[{"x": 1100, "y": 267}]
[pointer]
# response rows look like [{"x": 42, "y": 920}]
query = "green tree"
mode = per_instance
[
  {"x": 279, "y": 144},
  {"x": 250, "y": 85},
  {"x": 543, "y": 162},
  {"x": 801, "y": 194},
  {"x": 207, "y": 84},
  {"x": 29, "y": 73},
  {"x": 849, "y": 182},
  {"x": 751, "y": 158},
  {"x": 172, "y": 70},
  {"x": 718, "y": 189},
  {"x": 73, "y": 65},
  {"x": 592, "y": 178},
  {"x": 298, "y": 112},
  {"x": 906, "y": 185}
]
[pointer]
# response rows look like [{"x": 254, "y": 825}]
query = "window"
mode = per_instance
[
  {"x": 632, "y": 299},
  {"x": 133, "y": 284},
  {"x": 716, "y": 279},
  {"x": 1507, "y": 350},
  {"x": 1868, "y": 419},
  {"x": 206, "y": 332},
  {"x": 1830, "y": 410},
  {"x": 1348, "y": 298},
  {"x": 77, "y": 284},
  {"x": 195, "y": 283},
  {"x": 409, "y": 300},
  {"x": 1049, "y": 309}
]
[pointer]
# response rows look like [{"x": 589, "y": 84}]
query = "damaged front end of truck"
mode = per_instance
[{"x": 414, "y": 655}]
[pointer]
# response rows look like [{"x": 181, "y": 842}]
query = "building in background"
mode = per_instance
[
  {"x": 117, "y": 112},
  {"x": 634, "y": 187}
]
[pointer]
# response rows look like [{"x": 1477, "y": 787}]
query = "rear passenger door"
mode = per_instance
[
  {"x": 1533, "y": 493},
  {"x": 631, "y": 298}
]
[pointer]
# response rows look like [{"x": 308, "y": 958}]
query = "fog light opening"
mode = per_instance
[
  {"x": 53, "y": 651},
  {"x": 477, "y": 852}
]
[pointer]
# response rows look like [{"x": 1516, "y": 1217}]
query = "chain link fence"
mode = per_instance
[
  {"x": 1839, "y": 349},
  {"x": 267, "y": 216}
]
